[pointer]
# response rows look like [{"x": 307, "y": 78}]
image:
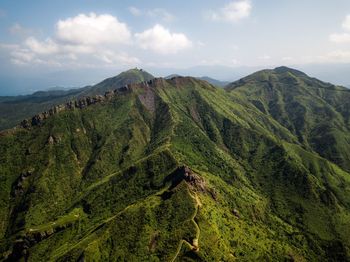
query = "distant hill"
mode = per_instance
[
  {"x": 15, "y": 109},
  {"x": 210, "y": 80},
  {"x": 128, "y": 77},
  {"x": 316, "y": 112},
  {"x": 213, "y": 81},
  {"x": 172, "y": 76}
]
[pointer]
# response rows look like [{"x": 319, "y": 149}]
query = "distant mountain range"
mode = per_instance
[
  {"x": 210, "y": 80},
  {"x": 22, "y": 82},
  {"x": 139, "y": 168}
]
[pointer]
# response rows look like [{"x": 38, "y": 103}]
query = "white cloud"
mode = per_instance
[
  {"x": 201, "y": 44},
  {"x": 340, "y": 38},
  {"x": 21, "y": 31},
  {"x": 233, "y": 11},
  {"x": 162, "y": 41},
  {"x": 44, "y": 48},
  {"x": 54, "y": 53},
  {"x": 346, "y": 23},
  {"x": 89, "y": 40},
  {"x": 264, "y": 57},
  {"x": 79, "y": 49},
  {"x": 158, "y": 13},
  {"x": 135, "y": 11},
  {"x": 92, "y": 29},
  {"x": 338, "y": 56},
  {"x": 17, "y": 29},
  {"x": 230, "y": 62},
  {"x": 288, "y": 59},
  {"x": 22, "y": 56},
  {"x": 83, "y": 40},
  {"x": 111, "y": 57},
  {"x": 9, "y": 46},
  {"x": 234, "y": 47}
]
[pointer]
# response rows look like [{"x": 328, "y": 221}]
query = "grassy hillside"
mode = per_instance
[
  {"x": 14, "y": 109},
  {"x": 317, "y": 113},
  {"x": 172, "y": 170},
  {"x": 125, "y": 78}
]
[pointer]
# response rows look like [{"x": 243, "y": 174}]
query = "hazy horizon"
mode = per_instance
[{"x": 80, "y": 43}]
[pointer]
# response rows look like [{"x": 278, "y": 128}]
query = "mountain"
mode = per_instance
[
  {"x": 128, "y": 77},
  {"x": 214, "y": 82},
  {"x": 317, "y": 113},
  {"x": 14, "y": 109},
  {"x": 172, "y": 76},
  {"x": 210, "y": 80},
  {"x": 179, "y": 170}
]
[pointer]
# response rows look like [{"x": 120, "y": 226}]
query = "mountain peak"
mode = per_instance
[
  {"x": 134, "y": 70},
  {"x": 134, "y": 75},
  {"x": 138, "y": 72},
  {"x": 285, "y": 69},
  {"x": 289, "y": 77}
]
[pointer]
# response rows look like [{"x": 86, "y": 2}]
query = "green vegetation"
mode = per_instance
[
  {"x": 14, "y": 109},
  {"x": 317, "y": 113},
  {"x": 178, "y": 170}
]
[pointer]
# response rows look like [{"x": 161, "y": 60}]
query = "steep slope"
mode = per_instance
[
  {"x": 125, "y": 78},
  {"x": 169, "y": 170},
  {"x": 14, "y": 109},
  {"x": 317, "y": 113}
]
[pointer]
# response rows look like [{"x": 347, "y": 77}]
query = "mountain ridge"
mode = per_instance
[
  {"x": 296, "y": 102},
  {"x": 174, "y": 170},
  {"x": 14, "y": 109}
]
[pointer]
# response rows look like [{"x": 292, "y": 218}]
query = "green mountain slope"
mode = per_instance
[
  {"x": 169, "y": 170},
  {"x": 14, "y": 109},
  {"x": 125, "y": 78},
  {"x": 210, "y": 80},
  {"x": 317, "y": 113}
]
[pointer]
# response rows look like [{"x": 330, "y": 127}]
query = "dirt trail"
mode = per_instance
[{"x": 195, "y": 243}]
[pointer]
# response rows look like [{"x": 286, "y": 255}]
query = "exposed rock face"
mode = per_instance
[
  {"x": 18, "y": 188},
  {"x": 235, "y": 212},
  {"x": 50, "y": 140},
  {"x": 186, "y": 174},
  {"x": 193, "y": 179},
  {"x": 22, "y": 244},
  {"x": 38, "y": 119},
  {"x": 147, "y": 100},
  {"x": 25, "y": 123}
]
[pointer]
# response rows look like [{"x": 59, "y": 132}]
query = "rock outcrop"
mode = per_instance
[
  {"x": 84, "y": 102},
  {"x": 17, "y": 188},
  {"x": 184, "y": 173}
]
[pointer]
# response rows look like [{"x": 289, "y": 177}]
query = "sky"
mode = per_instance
[{"x": 80, "y": 42}]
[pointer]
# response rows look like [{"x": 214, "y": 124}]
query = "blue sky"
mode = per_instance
[{"x": 48, "y": 43}]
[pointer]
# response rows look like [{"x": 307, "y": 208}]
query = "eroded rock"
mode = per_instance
[{"x": 184, "y": 173}]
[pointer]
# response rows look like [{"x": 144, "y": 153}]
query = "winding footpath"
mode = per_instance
[{"x": 195, "y": 245}]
